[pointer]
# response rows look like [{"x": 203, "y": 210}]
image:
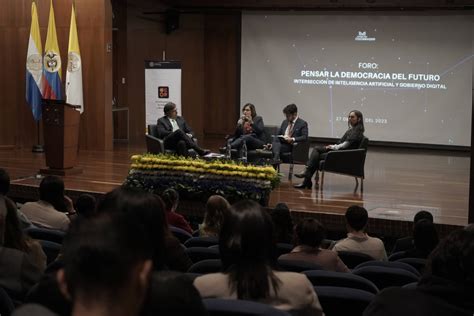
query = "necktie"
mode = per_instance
[
  {"x": 290, "y": 129},
  {"x": 174, "y": 125}
]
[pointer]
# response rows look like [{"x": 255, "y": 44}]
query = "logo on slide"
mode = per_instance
[
  {"x": 362, "y": 36},
  {"x": 163, "y": 92}
]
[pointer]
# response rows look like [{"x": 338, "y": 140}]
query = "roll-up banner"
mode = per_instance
[{"x": 162, "y": 85}]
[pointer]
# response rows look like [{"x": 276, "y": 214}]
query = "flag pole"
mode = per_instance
[{"x": 38, "y": 148}]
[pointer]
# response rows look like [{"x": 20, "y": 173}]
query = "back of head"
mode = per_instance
[
  {"x": 51, "y": 190},
  {"x": 216, "y": 209},
  {"x": 453, "y": 258},
  {"x": 290, "y": 109},
  {"x": 425, "y": 236},
  {"x": 85, "y": 205},
  {"x": 357, "y": 217},
  {"x": 171, "y": 198},
  {"x": 146, "y": 207},
  {"x": 423, "y": 215},
  {"x": 4, "y": 182},
  {"x": 173, "y": 293},
  {"x": 246, "y": 247},
  {"x": 282, "y": 221},
  {"x": 310, "y": 232},
  {"x": 100, "y": 257}
]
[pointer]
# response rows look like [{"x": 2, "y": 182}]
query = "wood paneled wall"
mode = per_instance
[
  {"x": 208, "y": 47},
  {"x": 94, "y": 22}
]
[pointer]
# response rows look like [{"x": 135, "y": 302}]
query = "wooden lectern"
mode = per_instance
[{"x": 61, "y": 137}]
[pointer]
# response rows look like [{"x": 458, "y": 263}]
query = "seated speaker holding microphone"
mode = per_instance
[{"x": 249, "y": 130}]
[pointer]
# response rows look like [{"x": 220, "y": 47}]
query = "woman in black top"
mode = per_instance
[
  {"x": 350, "y": 140},
  {"x": 249, "y": 128}
]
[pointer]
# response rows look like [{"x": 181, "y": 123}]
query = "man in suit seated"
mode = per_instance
[
  {"x": 176, "y": 133},
  {"x": 292, "y": 130}
]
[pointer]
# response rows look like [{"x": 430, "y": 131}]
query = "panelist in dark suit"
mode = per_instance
[
  {"x": 350, "y": 140},
  {"x": 250, "y": 129},
  {"x": 177, "y": 135},
  {"x": 292, "y": 130}
]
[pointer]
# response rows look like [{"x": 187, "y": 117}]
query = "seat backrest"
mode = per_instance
[
  {"x": 206, "y": 266},
  {"x": 389, "y": 264},
  {"x": 342, "y": 279},
  {"x": 181, "y": 234},
  {"x": 56, "y": 236},
  {"x": 283, "y": 248},
  {"x": 51, "y": 250},
  {"x": 229, "y": 307},
  {"x": 297, "y": 265},
  {"x": 201, "y": 241},
  {"x": 417, "y": 263},
  {"x": 197, "y": 254},
  {"x": 337, "y": 300},
  {"x": 353, "y": 259},
  {"x": 384, "y": 277},
  {"x": 153, "y": 130}
]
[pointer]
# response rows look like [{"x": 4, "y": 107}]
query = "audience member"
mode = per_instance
[
  {"x": 107, "y": 265},
  {"x": 357, "y": 239},
  {"x": 4, "y": 188},
  {"x": 309, "y": 235},
  {"x": 171, "y": 199},
  {"x": 22, "y": 260},
  {"x": 150, "y": 210},
  {"x": 173, "y": 293},
  {"x": 86, "y": 205},
  {"x": 446, "y": 288},
  {"x": 15, "y": 238},
  {"x": 246, "y": 245},
  {"x": 283, "y": 223},
  {"x": 216, "y": 208},
  {"x": 50, "y": 211},
  {"x": 406, "y": 243},
  {"x": 425, "y": 239}
]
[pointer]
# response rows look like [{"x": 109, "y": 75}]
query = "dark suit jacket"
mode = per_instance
[
  {"x": 165, "y": 128},
  {"x": 257, "y": 126},
  {"x": 300, "y": 130}
]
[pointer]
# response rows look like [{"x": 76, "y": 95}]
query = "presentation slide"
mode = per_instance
[{"x": 410, "y": 75}]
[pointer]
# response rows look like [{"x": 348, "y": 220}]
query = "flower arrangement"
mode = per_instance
[{"x": 197, "y": 179}]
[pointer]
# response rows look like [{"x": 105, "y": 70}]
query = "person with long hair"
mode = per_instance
[
  {"x": 250, "y": 129},
  {"x": 246, "y": 245},
  {"x": 350, "y": 140},
  {"x": 53, "y": 206},
  {"x": 216, "y": 208},
  {"x": 171, "y": 199}
]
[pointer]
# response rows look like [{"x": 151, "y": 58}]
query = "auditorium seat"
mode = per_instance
[
  {"x": 201, "y": 242},
  {"x": 179, "y": 233},
  {"x": 340, "y": 279},
  {"x": 230, "y": 307},
  {"x": 384, "y": 277},
  {"x": 353, "y": 259},
  {"x": 206, "y": 266},
  {"x": 197, "y": 254},
  {"x": 45, "y": 234},
  {"x": 348, "y": 162},
  {"x": 297, "y": 265},
  {"x": 389, "y": 264},
  {"x": 337, "y": 301}
]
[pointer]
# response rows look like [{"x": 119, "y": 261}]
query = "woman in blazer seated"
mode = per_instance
[
  {"x": 246, "y": 245},
  {"x": 250, "y": 129},
  {"x": 350, "y": 140}
]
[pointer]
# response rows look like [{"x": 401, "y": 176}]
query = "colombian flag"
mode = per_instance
[
  {"x": 34, "y": 66},
  {"x": 74, "y": 67},
  {"x": 52, "y": 62}
]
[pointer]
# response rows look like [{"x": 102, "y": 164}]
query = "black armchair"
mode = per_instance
[
  {"x": 156, "y": 145},
  {"x": 299, "y": 156},
  {"x": 347, "y": 162}
]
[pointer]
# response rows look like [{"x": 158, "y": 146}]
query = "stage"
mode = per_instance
[{"x": 398, "y": 183}]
